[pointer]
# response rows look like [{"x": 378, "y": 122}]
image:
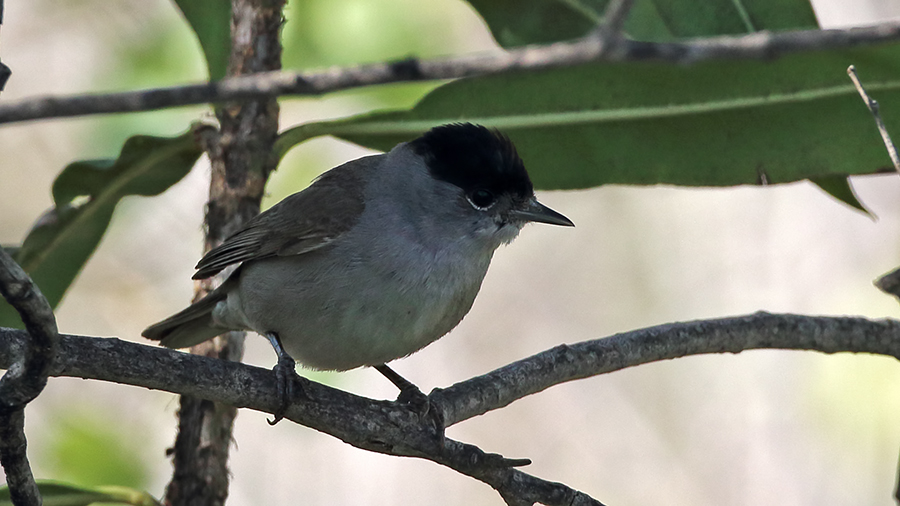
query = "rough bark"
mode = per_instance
[{"x": 239, "y": 152}]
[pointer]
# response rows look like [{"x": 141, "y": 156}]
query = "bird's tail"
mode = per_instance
[{"x": 191, "y": 326}]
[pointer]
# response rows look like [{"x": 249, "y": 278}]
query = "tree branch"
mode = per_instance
[
  {"x": 239, "y": 158},
  {"x": 25, "y": 378},
  {"x": 594, "y": 48},
  {"x": 564, "y": 363},
  {"x": 391, "y": 428}
]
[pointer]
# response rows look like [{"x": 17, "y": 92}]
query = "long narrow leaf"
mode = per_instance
[
  {"x": 85, "y": 196},
  {"x": 520, "y": 22},
  {"x": 211, "y": 22},
  {"x": 713, "y": 124}
]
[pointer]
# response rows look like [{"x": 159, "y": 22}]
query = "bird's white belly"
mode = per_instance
[{"x": 353, "y": 315}]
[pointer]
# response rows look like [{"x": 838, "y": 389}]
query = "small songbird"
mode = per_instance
[{"x": 376, "y": 259}]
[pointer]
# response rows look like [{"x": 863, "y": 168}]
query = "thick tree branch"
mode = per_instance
[
  {"x": 391, "y": 428},
  {"x": 25, "y": 378},
  {"x": 379, "y": 426},
  {"x": 594, "y": 48}
]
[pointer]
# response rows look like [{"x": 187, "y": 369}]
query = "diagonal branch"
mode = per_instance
[
  {"x": 594, "y": 48},
  {"x": 563, "y": 363},
  {"x": 873, "y": 107},
  {"x": 611, "y": 30},
  {"x": 391, "y": 428}
]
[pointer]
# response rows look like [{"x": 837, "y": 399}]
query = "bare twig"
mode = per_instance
[
  {"x": 393, "y": 429},
  {"x": 760, "y": 45},
  {"x": 889, "y": 283},
  {"x": 25, "y": 378},
  {"x": 872, "y": 104},
  {"x": 732, "y": 335},
  {"x": 614, "y": 19}
]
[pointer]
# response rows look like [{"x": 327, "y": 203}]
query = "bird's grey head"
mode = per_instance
[{"x": 494, "y": 188}]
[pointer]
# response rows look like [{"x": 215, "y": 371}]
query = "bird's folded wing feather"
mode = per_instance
[{"x": 300, "y": 223}]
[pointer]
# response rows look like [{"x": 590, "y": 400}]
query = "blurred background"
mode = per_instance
[{"x": 755, "y": 428}]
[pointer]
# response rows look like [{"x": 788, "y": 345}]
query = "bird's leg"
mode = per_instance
[
  {"x": 285, "y": 373},
  {"x": 414, "y": 398}
]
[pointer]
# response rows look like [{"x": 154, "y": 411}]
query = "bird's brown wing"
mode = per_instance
[{"x": 300, "y": 223}]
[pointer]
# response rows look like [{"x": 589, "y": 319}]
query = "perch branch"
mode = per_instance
[
  {"x": 760, "y": 45},
  {"x": 379, "y": 426},
  {"x": 391, "y": 428},
  {"x": 25, "y": 377}
]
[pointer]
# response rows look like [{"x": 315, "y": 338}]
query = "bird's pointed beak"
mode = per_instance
[{"x": 539, "y": 213}]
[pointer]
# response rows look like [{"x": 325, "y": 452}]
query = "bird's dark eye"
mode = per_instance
[{"x": 482, "y": 199}]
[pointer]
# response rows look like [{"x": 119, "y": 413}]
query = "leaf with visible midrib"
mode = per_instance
[
  {"x": 716, "y": 123},
  {"x": 85, "y": 195}
]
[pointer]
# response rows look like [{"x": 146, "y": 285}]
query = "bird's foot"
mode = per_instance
[
  {"x": 285, "y": 376},
  {"x": 416, "y": 401},
  {"x": 285, "y": 373},
  {"x": 421, "y": 405}
]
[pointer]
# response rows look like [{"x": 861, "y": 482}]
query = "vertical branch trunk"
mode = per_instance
[{"x": 239, "y": 153}]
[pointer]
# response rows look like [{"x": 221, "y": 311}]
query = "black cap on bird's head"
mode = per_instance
[
  {"x": 474, "y": 157},
  {"x": 484, "y": 164}
]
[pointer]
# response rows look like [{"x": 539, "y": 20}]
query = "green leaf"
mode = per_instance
[
  {"x": 85, "y": 195},
  {"x": 688, "y": 18},
  {"x": 716, "y": 123},
  {"x": 519, "y": 22},
  {"x": 62, "y": 494},
  {"x": 840, "y": 188},
  {"x": 211, "y": 21}
]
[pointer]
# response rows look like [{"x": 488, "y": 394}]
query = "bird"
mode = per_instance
[{"x": 373, "y": 261}]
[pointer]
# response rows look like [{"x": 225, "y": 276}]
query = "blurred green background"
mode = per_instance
[{"x": 760, "y": 427}]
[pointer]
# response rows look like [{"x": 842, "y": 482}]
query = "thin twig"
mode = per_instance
[
  {"x": 761, "y": 45},
  {"x": 889, "y": 283},
  {"x": 872, "y": 104},
  {"x": 564, "y": 363},
  {"x": 614, "y": 19},
  {"x": 393, "y": 429},
  {"x": 25, "y": 378}
]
